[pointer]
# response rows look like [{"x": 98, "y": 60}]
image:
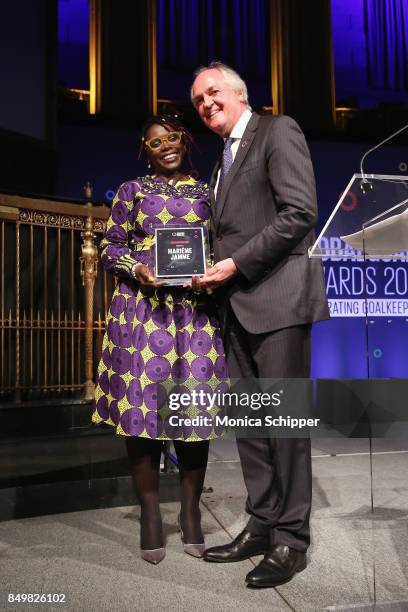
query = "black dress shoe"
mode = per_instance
[
  {"x": 245, "y": 545},
  {"x": 278, "y": 566}
]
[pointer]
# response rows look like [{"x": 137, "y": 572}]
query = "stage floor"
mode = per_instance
[{"x": 357, "y": 556}]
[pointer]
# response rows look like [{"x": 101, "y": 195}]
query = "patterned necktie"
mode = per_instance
[{"x": 226, "y": 164}]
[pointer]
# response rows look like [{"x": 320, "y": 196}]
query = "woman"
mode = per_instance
[{"x": 157, "y": 337}]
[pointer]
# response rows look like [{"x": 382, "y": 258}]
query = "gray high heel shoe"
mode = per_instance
[
  {"x": 195, "y": 550},
  {"x": 153, "y": 556}
]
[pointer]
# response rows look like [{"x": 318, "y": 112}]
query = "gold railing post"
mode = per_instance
[
  {"x": 17, "y": 394},
  {"x": 89, "y": 266}
]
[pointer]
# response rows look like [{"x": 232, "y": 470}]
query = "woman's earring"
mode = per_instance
[{"x": 148, "y": 165}]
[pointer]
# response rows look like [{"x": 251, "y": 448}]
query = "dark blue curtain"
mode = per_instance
[
  {"x": 191, "y": 33},
  {"x": 386, "y": 23}
]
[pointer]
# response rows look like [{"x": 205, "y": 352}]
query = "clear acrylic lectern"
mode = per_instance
[{"x": 364, "y": 246}]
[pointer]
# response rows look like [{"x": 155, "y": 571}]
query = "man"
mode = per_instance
[{"x": 264, "y": 210}]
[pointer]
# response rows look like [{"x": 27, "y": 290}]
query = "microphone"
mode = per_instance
[{"x": 365, "y": 184}]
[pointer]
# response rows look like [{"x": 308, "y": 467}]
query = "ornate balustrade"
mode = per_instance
[{"x": 53, "y": 297}]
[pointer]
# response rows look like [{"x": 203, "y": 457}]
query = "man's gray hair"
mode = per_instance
[{"x": 231, "y": 77}]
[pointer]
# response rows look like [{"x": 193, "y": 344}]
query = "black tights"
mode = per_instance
[{"x": 144, "y": 456}]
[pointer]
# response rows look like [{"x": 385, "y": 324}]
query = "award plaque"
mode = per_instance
[{"x": 180, "y": 253}]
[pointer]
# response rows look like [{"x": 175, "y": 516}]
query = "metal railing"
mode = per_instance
[{"x": 53, "y": 302}]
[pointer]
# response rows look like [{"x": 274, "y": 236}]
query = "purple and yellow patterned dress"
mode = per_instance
[{"x": 155, "y": 338}]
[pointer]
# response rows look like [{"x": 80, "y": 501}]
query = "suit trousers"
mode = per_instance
[{"x": 277, "y": 471}]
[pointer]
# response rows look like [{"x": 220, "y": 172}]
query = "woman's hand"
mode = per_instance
[{"x": 144, "y": 277}]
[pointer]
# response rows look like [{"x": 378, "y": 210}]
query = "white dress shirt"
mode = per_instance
[{"x": 236, "y": 133}]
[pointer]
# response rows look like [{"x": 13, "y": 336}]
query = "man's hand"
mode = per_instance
[{"x": 218, "y": 274}]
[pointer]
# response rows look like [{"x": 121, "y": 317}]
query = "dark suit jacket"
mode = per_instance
[{"x": 264, "y": 220}]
